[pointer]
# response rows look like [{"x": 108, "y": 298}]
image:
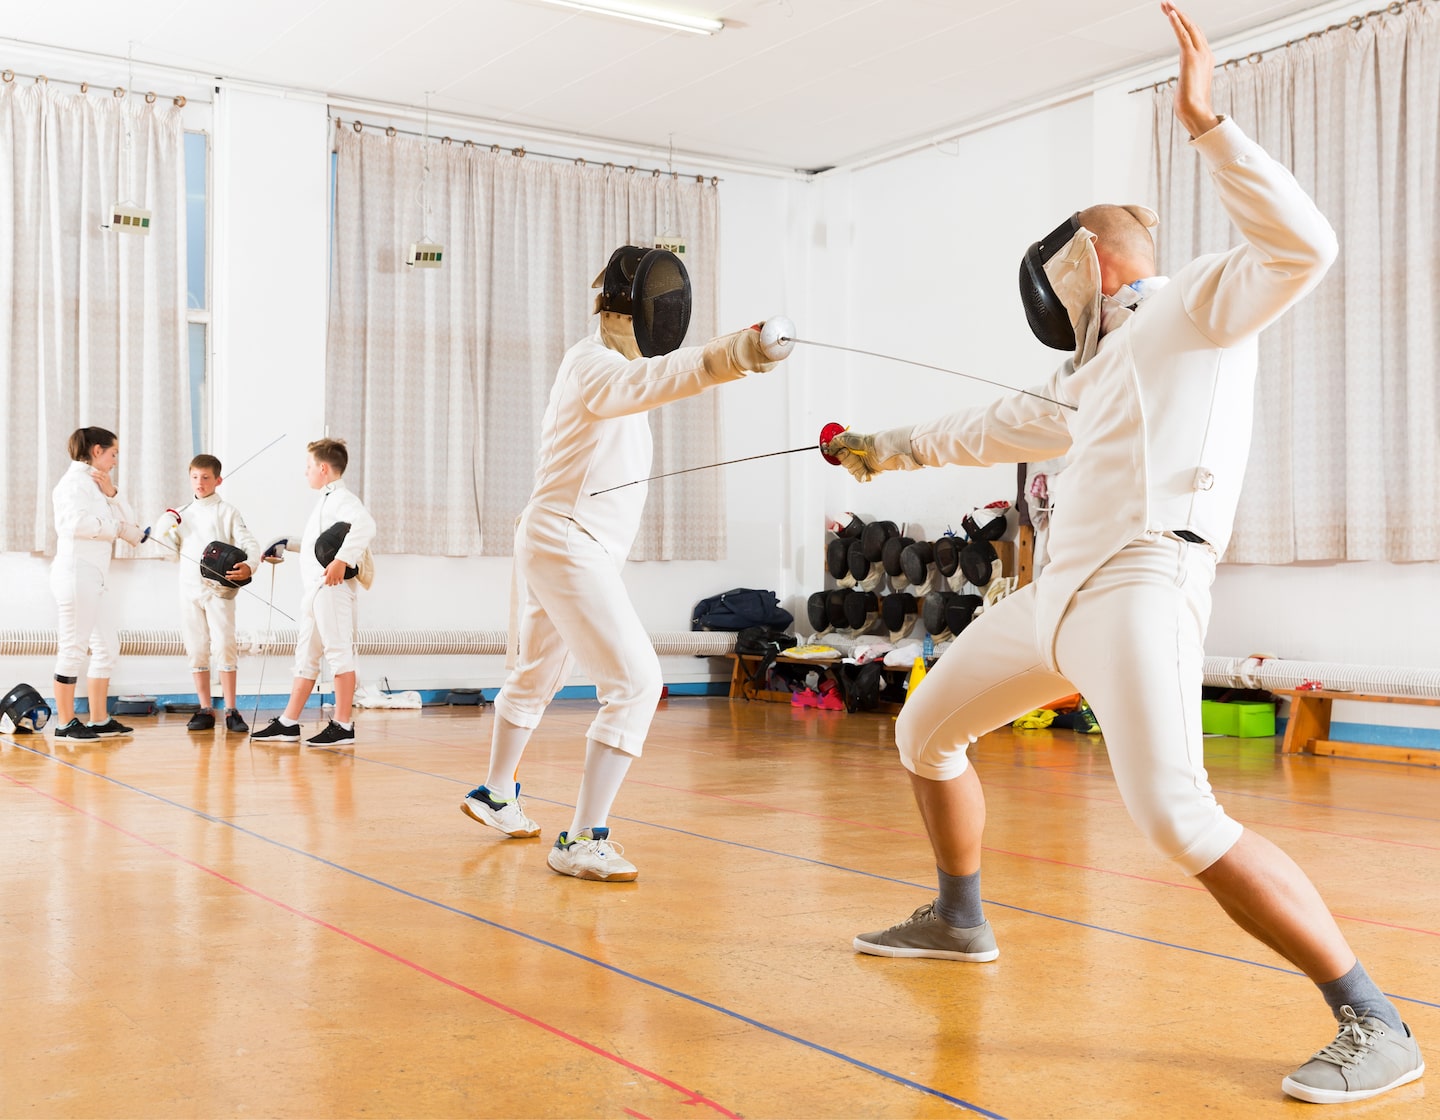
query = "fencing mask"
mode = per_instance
[
  {"x": 26, "y": 709},
  {"x": 218, "y": 558},
  {"x": 327, "y": 547},
  {"x": 652, "y": 288}
]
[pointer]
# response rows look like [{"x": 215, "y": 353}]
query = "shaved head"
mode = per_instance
[{"x": 1122, "y": 242}]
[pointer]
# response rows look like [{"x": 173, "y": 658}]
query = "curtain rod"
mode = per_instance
[
  {"x": 1354, "y": 23},
  {"x": 9, "y": 76},
  {"x": 521, "y": 152}
]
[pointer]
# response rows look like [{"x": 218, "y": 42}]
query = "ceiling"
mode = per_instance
[{"x": 788, "y": 84}]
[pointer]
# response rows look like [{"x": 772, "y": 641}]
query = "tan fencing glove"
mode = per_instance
[{"x": 865, "y": 456}]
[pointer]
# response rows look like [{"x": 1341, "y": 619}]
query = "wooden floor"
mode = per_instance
[{"x": 197, "y": 926}]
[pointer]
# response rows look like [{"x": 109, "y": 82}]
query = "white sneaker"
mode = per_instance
[
  {"x": 505, "y": 816},
  {"x": 591, "y": 856}
]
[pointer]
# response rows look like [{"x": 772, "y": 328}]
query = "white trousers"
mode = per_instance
[
  {"x": 577, "y": 612},
  {"x": 1132, "y": 643},
  {"x": 84, "y": 625},
  {"x": 327, "y": 628},
  {"x": 207, "y": 622}
]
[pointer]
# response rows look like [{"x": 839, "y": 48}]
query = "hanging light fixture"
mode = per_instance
[{"x": 425, "y": 253}]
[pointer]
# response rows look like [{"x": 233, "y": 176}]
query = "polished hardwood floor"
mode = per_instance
[{"x": 195, "y": 925}]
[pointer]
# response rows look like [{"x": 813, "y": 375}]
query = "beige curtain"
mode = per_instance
[
  {"x": 438, "y": 378},
  {"x": 1347, "y": 426},
  {"x": 92, "y": 322}
]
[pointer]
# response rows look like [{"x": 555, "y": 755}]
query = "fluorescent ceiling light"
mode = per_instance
[{"x": 673, "y": 21}]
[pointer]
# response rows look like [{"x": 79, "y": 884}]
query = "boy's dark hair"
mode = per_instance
[
  {"x": 83, "y": 439},
  {"x": 331, "y": 452},
  {"x": 206, "y": 463}
]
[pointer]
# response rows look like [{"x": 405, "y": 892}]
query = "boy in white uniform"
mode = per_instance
[
  {"x": 207, "y": 606},
  {"x": 327, "y": 611},
  {"x": 571, "y": 543},
  {"x": 1156, "y": 446}
]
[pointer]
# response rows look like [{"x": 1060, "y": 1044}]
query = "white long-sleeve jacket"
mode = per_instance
[
  {"x": 337, "y": 503},
  {"x": 595, "y": 433},
  {"x": 205, "y": 520},
  {"x": 86, "y": 521},
  {"x": 1160, "y": 434}
]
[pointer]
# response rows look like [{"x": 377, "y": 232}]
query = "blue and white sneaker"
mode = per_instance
[
  {"x": 503, "y": 816},
  {"x": 591, "y": 856}
]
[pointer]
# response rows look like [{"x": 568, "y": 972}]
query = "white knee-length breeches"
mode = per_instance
[
  {"x": 84, "y": 624},
  {"x": 577, "y": 612},
  {"x": 327, "y": 628},
  {"x": 1132, "y": 643},
  {"x": 207, "y": 622}
]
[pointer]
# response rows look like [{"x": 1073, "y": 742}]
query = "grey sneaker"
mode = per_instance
[
  {"x": 591, "y": 856},
  {"x": 1366, "y": 1059},
  {"x": 925, "y": 934},
  {"x": 505, "y": 816}
]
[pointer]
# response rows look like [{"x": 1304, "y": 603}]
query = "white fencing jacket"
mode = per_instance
[
  {"x": 337, "y": 503},
  {"x": 595, "y": 433},
  {"x": 1160, "y": 434},
  {"x": 86, "y": 521},
  {"x": 205, "y": 520}
]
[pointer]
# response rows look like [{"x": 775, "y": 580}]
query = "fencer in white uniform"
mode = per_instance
[
  {"x": 571, "y": 543},
  {"x": 89, "y": 517},
  {"x": 1162, "y": 386},
  {"x": 207, "y": 606}
]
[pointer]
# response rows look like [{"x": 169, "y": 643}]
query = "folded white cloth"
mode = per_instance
[{"x": 374, "y": 698}]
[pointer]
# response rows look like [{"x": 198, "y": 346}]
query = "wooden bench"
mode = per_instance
[{"x": 1308, "y": 730}]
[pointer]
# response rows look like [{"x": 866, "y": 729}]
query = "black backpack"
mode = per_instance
[
  {"x": 739, "y": 608},
  {"x": 768, "y": 644}
]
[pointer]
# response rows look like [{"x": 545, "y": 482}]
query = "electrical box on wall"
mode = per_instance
[
  {"x": 425, "y": 254},
  {"x": 674, "y": 245},
  {"x": 127, "y": 219}
]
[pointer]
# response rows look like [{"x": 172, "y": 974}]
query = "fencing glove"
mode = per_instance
[
  {"x": 865, "y": 456},
  {"x": 738, "y": 353}
]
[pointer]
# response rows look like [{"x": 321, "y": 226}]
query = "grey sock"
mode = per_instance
[
  {"x": 1359, "y": 992},
  {"x": 959, "y": 902}
]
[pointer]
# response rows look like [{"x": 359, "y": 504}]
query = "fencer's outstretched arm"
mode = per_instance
[
  {"x": 1019, "y": 428},
  {"x": 609, "y": 389}
]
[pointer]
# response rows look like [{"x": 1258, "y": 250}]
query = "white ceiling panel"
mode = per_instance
[{"x": 786, "y": 84}]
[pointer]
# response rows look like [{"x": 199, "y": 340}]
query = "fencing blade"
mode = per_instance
[
  {"x": 706, "y": 467},
  {"x": 927, "y": 365}
]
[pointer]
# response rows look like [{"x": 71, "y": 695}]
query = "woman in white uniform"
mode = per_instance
[
  {"x": 1162, "y": 390},
  {"x": 572, "y": 541},
  {"x": 89, "y": 518}
]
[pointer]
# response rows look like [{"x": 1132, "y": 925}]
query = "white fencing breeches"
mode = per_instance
[
  {"x": 84, "y": 624},
  {"x": 207, "y": 622},
  {"x": 1132, "y": 643},
  {"x": 327, "y": 628},
  {"x": 577, "y": 611}
]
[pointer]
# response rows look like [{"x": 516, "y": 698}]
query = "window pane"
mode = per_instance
[
  {"x": 196, "y": 155},
  {"x": 198, "y": 355}
]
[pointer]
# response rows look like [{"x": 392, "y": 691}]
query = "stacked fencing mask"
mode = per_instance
[
  {"x": 983, "y": 526},
  {"x": 652, "y": 287},
  {"x": 817, "y": 613},
  {"x": 890, "y": 556},
  {"x": 327, "y": 547},
  {"x": 915, "y": 560},
  {"x": 862, "y": 608},
  {"x": 899, "y": 610},
  {"x": 26, "y": 709},
  {"x": 218, "y": 558}
]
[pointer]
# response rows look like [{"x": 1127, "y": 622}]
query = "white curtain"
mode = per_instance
[
  {"x": 437, "y": 378},
  {"x": 1346, "y": 450},
  {"x": 92, "y": 321}
]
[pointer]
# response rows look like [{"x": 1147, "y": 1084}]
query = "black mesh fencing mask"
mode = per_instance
[
  {"x": 653, "y": 288},
  {"x": 327, "y": 547},
  {"x": 26, "y": 709},
  {"x": 218, "y": 558},
  {"x": 1044, "y": 310}
]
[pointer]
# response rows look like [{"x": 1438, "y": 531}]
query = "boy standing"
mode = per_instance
[
  {"x": 207, "y": 595},
  {"x": 334, "y": 557}
]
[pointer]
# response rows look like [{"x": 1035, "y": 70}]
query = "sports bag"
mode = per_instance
[{"x": 738, "y": 608}]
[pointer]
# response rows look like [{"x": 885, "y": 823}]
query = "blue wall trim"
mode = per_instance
[{"x": 1414, "y": 738}]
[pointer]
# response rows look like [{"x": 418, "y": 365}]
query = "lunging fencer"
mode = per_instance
[
  {"x": 571, "y": 543},
  {"x": 1162, "y": 381},
  {"x": 218, "y": 555},
  {"x": 89, "y": 517}
]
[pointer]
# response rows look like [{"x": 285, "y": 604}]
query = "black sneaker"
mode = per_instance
[
  {"x": 278, "y": 732},
  {"x": 201, "y": 721},
  {"x": 110, "y": 729},
  {"x": 333, "y": 736},
  {"x": 235, "y": 722},
  {"x": 76, "y": 730}
]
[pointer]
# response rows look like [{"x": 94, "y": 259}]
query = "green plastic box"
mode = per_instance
[{"x": 1246, "y": 721}]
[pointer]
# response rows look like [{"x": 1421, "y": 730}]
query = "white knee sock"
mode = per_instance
[
  {"x": 605, "y": 769},
  {"x": 507, "y": 744}
]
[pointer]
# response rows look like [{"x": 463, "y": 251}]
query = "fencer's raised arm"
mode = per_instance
[
  {"x": 83, "y": 512},
  {"x": 1019, "y": 428}
]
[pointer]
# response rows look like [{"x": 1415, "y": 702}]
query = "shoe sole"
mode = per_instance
[
  {"x": 210, "y": 728},
  {"x": 594, "y": 877},
  {"x": 112, "y": 734},
  {"x": 237, "y": 731},
  {"x": 276, "y": 738},
  {"x": 333, "y": 743},
  {"x": 1339, "y": 1096},
  {"x": 479, "y": 817},
  {"x": 870, "y": 947}
]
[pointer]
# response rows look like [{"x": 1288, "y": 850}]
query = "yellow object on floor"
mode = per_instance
[{"x": 1034, "y": 721}]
